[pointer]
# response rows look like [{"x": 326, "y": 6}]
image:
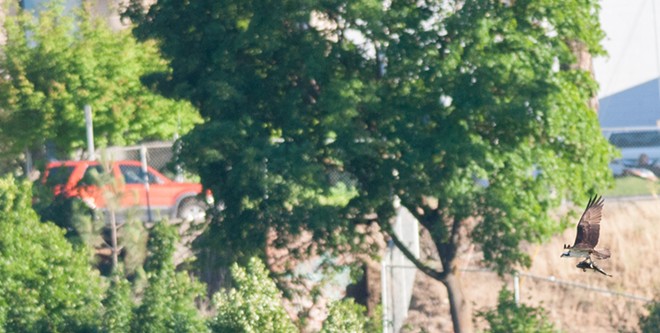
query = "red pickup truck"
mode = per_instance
[{"x": 161, "y": 198}]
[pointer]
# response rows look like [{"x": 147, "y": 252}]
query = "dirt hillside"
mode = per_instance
[{"x": 630, "y": 228}]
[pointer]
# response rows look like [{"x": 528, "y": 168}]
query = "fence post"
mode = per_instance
[
  {"x": 145, "y": 175},
  {"x": 90, "y": 132}
]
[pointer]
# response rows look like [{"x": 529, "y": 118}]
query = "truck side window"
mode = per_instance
[
  {"x": 133, "y": 175},
  {"x": 59, "y": 175}
]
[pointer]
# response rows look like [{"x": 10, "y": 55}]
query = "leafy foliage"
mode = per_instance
[
  {"x": 472, "y": 113},
  {"x": 508, "y": 317},
  {"x": 118, "y": 305},
  {"x": 56, "y": 63},
  {"x": 161, "y": 247},
  {"x": 269, "y": 130},
  {"x": 89, "y": 227},
  {"x": 285, "y": 109},
  {"x": 47, "y": 285},
  {"x": 253, "y": 305},
  {"x": 347, "y": 316},
  {"x": 168, "y": 304}
]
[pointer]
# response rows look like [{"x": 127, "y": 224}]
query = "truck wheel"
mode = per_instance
[{"x": 192, "y": 210}]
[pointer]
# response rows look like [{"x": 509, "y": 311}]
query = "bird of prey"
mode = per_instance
[
  {"x": 588, "y": 264},
  {"x": 588, "y": 230}
]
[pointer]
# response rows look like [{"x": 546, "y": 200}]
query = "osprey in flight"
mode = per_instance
[{"x": 588, "y": 230}]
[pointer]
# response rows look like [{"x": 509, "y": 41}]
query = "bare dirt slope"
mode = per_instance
[{"x": 630, "y": 228}]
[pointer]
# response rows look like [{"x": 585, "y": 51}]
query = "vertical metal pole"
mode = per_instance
[
  {"x": 145, "y": 178},
  {"x": 28, "y": 163},
  {"x": 516, "y": 288},
  {"x": 91, "y": 155},
  {"x": 177, "y": 149}
]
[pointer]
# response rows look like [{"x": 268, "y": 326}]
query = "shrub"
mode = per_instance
[
  {"x": 509, "y": 317},
  {"x": 253, "y": 306}
]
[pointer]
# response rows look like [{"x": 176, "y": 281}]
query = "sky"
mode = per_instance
[
  {"x": 629, "y": 94},
  {"x": 631, "y": 28}
]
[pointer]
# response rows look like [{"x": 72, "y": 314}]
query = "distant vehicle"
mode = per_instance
[
  {"x": 637, "y": 146},
  {"x": 165, "y": 197}
]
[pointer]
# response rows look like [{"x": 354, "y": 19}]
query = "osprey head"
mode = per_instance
[{"x": 568, "y": 251}]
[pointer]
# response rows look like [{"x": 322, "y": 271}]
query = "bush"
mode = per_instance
[
  {"x": 168, "y": 304},
  {"x": 46, "y": 285},
  {"x": 651, "y": 322},
  {"x": 118, "y": 304},
  {"x": 509, "y": 317},
  {"x": 253, "y": 306},
  {"x": 347, "y": 316}
]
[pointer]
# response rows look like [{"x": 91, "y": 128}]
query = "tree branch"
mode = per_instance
[
  {"x": 455, "y": 227},
  {"x": 426, "y": 269},
  {"x": 424, "y": 219}
]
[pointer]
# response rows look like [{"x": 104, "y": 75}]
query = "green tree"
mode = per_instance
[
  {"x": 509, "y": 317},
  {"x": 269, "y": 131},
  {"x": 55, "y": 63},
  {"x": 45, "y": 284},
  {"x": 168, "y": 303},
  {"x": 472, "y": 113},
  {"x": 253, "y": 305}
]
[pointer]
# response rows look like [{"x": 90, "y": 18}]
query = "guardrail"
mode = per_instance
[{"x": 565, "y": 283}]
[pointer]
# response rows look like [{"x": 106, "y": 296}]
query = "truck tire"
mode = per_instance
[{"x": 192, "y": 210}]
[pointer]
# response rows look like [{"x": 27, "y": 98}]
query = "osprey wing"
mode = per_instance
[{"x": 588, "y": 229}]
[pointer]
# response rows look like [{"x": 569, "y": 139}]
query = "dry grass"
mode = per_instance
[{"x": 629, "y": 229}]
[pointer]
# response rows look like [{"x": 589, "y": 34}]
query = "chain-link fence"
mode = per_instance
[
  {"x": 158, "y": 155},
  {"x": 637, "y": 169}
]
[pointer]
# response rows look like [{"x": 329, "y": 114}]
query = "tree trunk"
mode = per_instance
[
  {"x": 459, "y": 308},
  {"x": 584, "y": 61},
  {"x": 461, "y": 312}
]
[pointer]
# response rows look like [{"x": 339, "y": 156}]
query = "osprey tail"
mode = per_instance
[{"x": 601, "y": 254}]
